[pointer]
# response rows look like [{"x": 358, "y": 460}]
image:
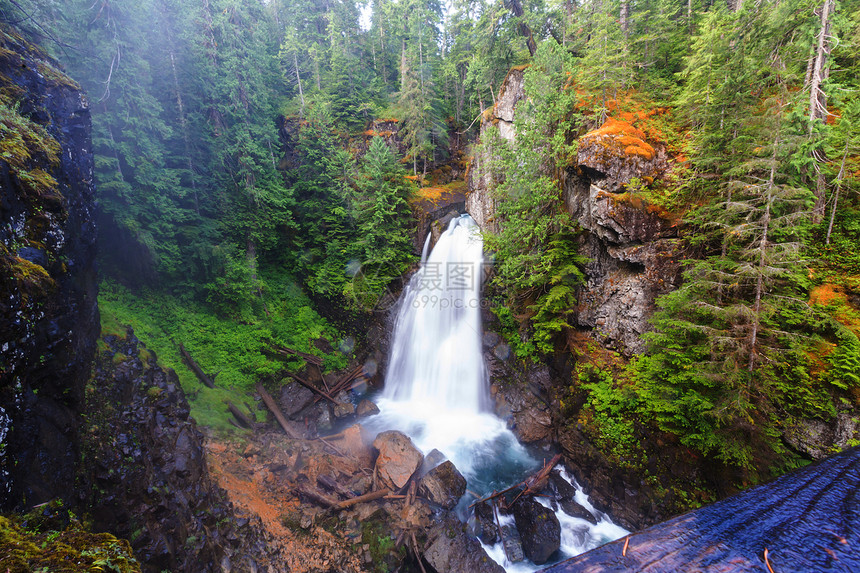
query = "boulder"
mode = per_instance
[
  {"x": 431, "y": 460},
  {"x": 343, "y": 407},
  {"x": 443, "y": 485},
  {"x": 294, "y": 398},
  {"x": 398, "y": 458},
  {"x": 539, "y": 529},
  {"x": 451, "y": 550},
  {"x": 483, "y": 524},
  {"x": 366, "y": 408},
  {"x": 512, "y": 544}
]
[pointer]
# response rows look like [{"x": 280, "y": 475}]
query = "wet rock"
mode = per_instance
[
  {"x": 490, "y": 339},
  {"x": 431, "y": 460},
  {"x": 398, "y": 458},
  {"x": 483, "y": 524},
  {"x": 444, "y": 485},
  {"x": 343, "y": 407},
  {"x": 366, "y": 408},
  {"x": 49, "y": 320},
  {"x": 451, "y": 550},
  {"x": 323, "y": 419},
  {"x": 533, "y": 425},
  {"x": 539, "y": 529},
  {"x": 512, "y": 544},
  {"x": 560, "y": 491}
]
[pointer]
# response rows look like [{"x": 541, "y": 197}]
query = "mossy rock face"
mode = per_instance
[
  {"x": 48, "y": 317},
  {"x": 27, "y": 544}
]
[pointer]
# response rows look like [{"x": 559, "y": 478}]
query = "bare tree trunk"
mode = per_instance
[
  {"x": 623, "y": 17},
  {"x": 818, "y": 102},
  {"x": 817, "y": 97},
  {"x": 836, "y": 195},
  {"x": 299, "y": 80},
  {"x": 516, "y": 7}
]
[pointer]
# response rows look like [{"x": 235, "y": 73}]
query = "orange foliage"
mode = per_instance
[
  {"x": 825, "y": 294},
  {"x": 623, "y": 137},
  {"x": 430, "y": 194}
]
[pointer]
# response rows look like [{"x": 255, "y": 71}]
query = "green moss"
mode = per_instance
[
  {"x": 382, "y": 546},
  {"x": 228, "y": 346},
  {"x": 25, "y": 549},
  {"x": 119, "y": 358},
  {"x": 55, "y": 76},
  {"x": 112, "y": 327}
]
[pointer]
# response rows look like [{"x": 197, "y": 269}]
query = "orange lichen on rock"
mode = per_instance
[{"x": 622, "y": 137}]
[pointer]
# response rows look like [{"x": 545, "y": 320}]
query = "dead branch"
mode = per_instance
[
  {"x": 530, "y": 486},
  {"x": 313, "y": 388},
  {"x": 317, "y": 496},
  {"x": 374, "y": 495}
]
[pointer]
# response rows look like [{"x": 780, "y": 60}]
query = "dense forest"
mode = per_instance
[{"x": 255, "y": 163}]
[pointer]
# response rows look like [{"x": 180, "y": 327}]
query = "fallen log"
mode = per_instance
[
  {"x": 206, "y": 380},
  {"x": 379, "y": 494},
  {"x": 343, "y": 383},
  {"x": 284, "y": 352},
  {"x": 331, "y": 484},
  {"x": 289, "y": 428},
  {"x": 530, "y": 485},
  {"x": 243, "y": 419}
]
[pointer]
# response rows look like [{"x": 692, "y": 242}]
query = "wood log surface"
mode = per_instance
[{"x": 807, "y": 520}]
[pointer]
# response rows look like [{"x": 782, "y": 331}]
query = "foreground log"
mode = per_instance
[
  {"x": 808, "y": 520},
  {"x": 289, "y": 428},
  {"x": 316, "y": 495},
  {"x": 202, "y": 376}
]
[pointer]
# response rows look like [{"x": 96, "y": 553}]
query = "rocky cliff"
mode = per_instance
[
  {"x": 629, "y": 243},
  {"x": 145, "y": 475},
  {"x": 48, "y": 308}
]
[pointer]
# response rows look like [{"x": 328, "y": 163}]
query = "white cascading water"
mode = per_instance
[{"x": 436, "y": 387}]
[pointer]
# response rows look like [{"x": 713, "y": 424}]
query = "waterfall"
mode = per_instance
[
  {"x": 436, "y": 385},
  {"x": 436, "y": 355}
]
